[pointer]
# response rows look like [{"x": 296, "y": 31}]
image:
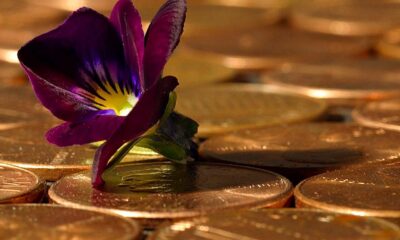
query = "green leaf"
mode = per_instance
[{"x": 164, "y": 146}]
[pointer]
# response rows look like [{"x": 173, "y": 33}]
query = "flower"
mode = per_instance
[{"x": 102, "y": 76}]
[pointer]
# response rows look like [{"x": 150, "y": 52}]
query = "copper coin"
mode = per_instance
[
  {"x": 190, "y": 70},
  {"x": 277, "y": 4},
  {"x": 346, "y": 17},
  {"x": 37, "y": 222},
  {"x": 340, "y": 82},
  {"x": 389, "y": 44},
  {"x": 279, "y": 224},
  {"x": 303, "y": 150},
  {"x": 19, "y": 186},
  {"x": 11, "y": 74},
  {"x": 157, "y": 191},
  {"x": 270, "y": 47},
  {"x": 228, "y": 107},
  {"x": 383, "y": 114},
  {"x": 367, "y": 191}
]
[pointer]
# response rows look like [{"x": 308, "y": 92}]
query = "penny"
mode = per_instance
[
  {"x": 36, "y": 222},
  {"x": 278, "y": 224},
  {"x": 157, "y": 191},
  {"x": 382, "y": 114},
  {"x": 18, "y": 105},
  {"x": 25, "y": 146},
  {"x": 191, "y": 70},
  {"x": 364, "y": 191},
  {"x": 302, "y": 150},
  {"x": 389, "y": 44},
  {"x": 340, "y": 82},
  {"x": 225, "y": 108},
  {"x": 19, "y": 186},
  {"x": 346, "y": 17},
  {"x": 270, "y": 47}
]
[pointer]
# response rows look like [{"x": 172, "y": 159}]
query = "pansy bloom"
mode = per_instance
[{"x": 103, "y": 77}]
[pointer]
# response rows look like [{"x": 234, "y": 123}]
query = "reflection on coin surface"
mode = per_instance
[
  {"x": 228, "y": 107},
  {"x": 301, "y": 150},
  {"x": 341, "y": 82},
  {"x": 346, "y": 17},
  {"x": 193, "y": 71},
  {"x": 366, "y": 191},
  {"x": 19, "y": 186},
  {"x": 38, "y": 222},
  {"x": 383, "y": 114},
  {"x": 270, "y": 47},
  {"x": 278, "y": 224},
  {"x": 153, "y": 191}
]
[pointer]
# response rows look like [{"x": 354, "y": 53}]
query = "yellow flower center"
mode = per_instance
[{"x": 121, "y": 103}]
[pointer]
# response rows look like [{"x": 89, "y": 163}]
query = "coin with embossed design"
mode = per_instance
[
  {"x": 270, "y": 47},
  {"x": 228, "y": 107},
  {"x": 383, "y": 114},
  {"x": 191, "y": 70},
  {"x": 364, "y": 191},
  {"x": 278, "y": 224},
  {"x": 18, "y": 185},
  {"x": 346, "y": 17},
  {"x": 302, "y": 150},
  {"x": 340, "y": 82},
  {"x": 26, "y": 147},
  {"x": 38, "y": 222},
  {"x": 158, "y": 191}
]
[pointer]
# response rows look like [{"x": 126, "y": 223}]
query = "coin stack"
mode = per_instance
[{"x": 298, "y": 105}]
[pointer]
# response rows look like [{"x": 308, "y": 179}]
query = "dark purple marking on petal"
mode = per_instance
[
  {"x": 162, "y": 37},
  {"x": 81, "y": 56},
  {"x": 126, "y": 19},
  {"x": 98, "y": 128},
  {"x": 146, "y": 113}
]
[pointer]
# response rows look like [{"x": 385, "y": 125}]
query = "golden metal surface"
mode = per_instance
[
  {"x": 19, "y": 186},
  {"x": 389, "y": 44},
  {"x": 302, "y": 150},
  {"x": 346, "y": 17},
  {"x": 39, "y": 222},
  {"x": 278, "y": 224},
  {"x": 193, "y": 71},
  {"x": 11, "y": 74},
  {"x": 367, "y": 191},
  {"x": 270, "y": 47},
  {"x": 340, "y": 82},
  {"x": 228, "y": 107},
  {"x": 280, "y": 4},
  {"x": 383, "y": 114},
  {"x": 154, "y": 191}
]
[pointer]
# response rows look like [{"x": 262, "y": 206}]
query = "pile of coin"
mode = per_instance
[{"x": 298, "y": 105}]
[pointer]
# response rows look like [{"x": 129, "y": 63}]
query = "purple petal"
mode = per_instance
[
  {"x": 126, "y": 19},
  {"x": 98, "y": 128},
  {"x": 77, "y": 59},
  {"x": 162, "y": 37},
  {"x": 146, "y": 113}
]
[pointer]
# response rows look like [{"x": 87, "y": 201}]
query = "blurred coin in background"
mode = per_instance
[{"x": 346, "y": 17}]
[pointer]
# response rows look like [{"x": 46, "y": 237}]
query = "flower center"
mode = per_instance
[{"x": 121, "y": 103}]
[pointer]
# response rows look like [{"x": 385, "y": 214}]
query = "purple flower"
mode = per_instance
[{"x": 102, "y": 76}]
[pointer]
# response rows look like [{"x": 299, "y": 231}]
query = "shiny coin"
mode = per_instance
[
  {"x": 389, "y": 44},
  {"x": 346, "y": 17},
  {"x": 270, "y": 47},
  {"x": 11, "y": 74},
  {"x": 368, "y": 191},
  {"x": 277, "y": 4},
  {"x": 25, "y": 146},
  {"x": 192, "y": 71},
  {"x": 300, "y": 151},
  {"x": 19, "y": 186},
  {"x": 384, "y": 114},
  {"x": 157, "y": 191},
  {"x": 38, "y": 222},
  {"x": 279, "y": 224},
  {"x": 224, "y": 108},
  {"x": 341, "y": 82}
]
